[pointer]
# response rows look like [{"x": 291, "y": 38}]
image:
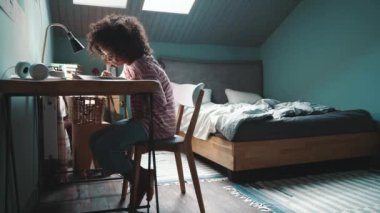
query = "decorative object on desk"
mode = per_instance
[
  {"x": 38, "y": 71},
  {"x": 75, "y": 44},
  {"x": 22, "y": 69},
  {"x": 95, "y": 71}
]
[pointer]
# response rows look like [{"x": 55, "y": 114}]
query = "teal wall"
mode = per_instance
[
  {"x": 21, "y": 39},
  {"x": 203, "y": 52},
  {"x": 327, "y": 52}
]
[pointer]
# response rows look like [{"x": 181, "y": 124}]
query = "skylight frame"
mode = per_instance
[
  {"x": 103, "y": 3},
  {"x": 169, "y": 6}
]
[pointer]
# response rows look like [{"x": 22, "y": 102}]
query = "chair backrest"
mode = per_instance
[{"x": 189, "y": 95}]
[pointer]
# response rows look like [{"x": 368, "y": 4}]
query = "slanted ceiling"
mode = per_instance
[{"x": 241, "y": 23}]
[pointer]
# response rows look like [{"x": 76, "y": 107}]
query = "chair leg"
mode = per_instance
[
  {"x": 180, "y": 171},
  {"x": 194, "y": 177},
  {"x": 124, "y": 189},
  {"x": 136, "y": 168}
]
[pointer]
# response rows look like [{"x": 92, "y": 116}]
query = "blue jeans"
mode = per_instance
[{"x": 108, "y": 145}]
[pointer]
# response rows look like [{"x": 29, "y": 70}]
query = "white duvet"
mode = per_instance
[{"x": 226, "y": 118}]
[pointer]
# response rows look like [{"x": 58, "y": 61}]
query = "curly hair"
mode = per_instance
[{"x": 123, "y": 36}]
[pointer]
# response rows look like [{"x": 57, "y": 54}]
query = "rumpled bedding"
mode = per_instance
[{"x": 226, "y": 118}]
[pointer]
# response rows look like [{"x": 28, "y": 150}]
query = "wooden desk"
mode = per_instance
[
  {"x": 76, "y": 87},
  {"x": 9, "y": 88}
]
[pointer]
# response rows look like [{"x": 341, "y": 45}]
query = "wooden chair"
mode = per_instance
[{"x": 188, "y": 95}]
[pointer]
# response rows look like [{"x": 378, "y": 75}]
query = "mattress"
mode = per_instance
[{"x": 337, "y": 122}]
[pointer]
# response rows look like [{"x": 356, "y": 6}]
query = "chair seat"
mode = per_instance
[
  {"x": 167, "y": 144},
  {"x": 176, "y": 139}
]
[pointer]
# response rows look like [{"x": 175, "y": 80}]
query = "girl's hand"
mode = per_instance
[{"x": 106, "y": 73}]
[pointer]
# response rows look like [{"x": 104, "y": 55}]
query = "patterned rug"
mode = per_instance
[{"x": 352, "y": 191}]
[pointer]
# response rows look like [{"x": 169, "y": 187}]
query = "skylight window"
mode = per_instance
[
  {"x": 169, "y": 6},
  {"x": 103, "y": 3}
]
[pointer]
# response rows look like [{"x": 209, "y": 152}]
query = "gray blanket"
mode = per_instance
[
  {"x": 226, "y": 118},
  {"x": 265, "y": 109}
]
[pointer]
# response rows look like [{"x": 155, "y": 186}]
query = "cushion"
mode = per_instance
[{"x": 234, "y": 96}]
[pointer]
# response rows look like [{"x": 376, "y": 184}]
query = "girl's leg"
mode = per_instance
[{"x": 108, "y": 145}]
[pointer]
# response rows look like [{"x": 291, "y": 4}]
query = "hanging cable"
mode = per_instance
[{"x": 6, "y": 71}]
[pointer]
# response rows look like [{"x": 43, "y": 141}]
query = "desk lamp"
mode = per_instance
[
  {"x": 75, "y": 44},
  {"x": 40, "y": 71}
]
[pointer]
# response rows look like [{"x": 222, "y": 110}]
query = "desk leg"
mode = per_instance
[
  {"x": 40, "y": 133},
  {"x": 7, "y": 130},
  {"x": 10, "y": 155}
]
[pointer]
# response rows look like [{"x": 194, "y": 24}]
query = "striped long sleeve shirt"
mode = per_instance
[{"x": 164, "y": 119}]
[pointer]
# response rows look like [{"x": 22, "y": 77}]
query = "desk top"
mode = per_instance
[{"x": 76, "y": 87}]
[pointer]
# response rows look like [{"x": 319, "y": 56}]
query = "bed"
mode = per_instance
[{"x": 352, "y": 135}]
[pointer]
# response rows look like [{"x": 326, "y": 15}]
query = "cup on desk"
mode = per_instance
[{"x": 38, "y": 71}]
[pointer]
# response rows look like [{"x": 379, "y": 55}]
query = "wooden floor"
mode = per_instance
[{"x": 95, "y": 196}]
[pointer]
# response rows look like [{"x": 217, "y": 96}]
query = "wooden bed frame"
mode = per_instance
[{"x": 248, "y": 155}]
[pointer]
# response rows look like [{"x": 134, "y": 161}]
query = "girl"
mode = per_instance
[{"x": 121, "y": 40}]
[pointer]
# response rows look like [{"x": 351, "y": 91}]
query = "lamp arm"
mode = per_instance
[{"x": 46, "y": 32}]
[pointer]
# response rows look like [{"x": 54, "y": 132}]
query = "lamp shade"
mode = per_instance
[{"x": 75, "y": 44}]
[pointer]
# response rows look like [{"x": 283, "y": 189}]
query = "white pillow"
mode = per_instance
[{"x": 234, "y": 97}]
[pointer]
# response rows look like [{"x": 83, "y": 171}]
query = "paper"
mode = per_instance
[{"x": 94, "y": 77}]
